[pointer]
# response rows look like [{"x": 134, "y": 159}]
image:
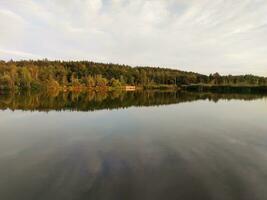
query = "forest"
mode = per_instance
[{"x": 39, "y": 74}]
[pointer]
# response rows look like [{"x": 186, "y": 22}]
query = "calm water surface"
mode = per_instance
[{"x": 133, "y": 146}]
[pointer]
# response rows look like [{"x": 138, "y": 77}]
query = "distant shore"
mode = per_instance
[{"x": 86, "y": 75}]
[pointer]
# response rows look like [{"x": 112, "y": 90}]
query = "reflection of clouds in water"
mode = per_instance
[
  {"x": 194, "y": 150},
  {"x": 9, "y": 115},
  {"x": 117, "y": 163}
]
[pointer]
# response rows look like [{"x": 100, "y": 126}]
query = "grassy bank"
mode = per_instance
[
  {"x": 83, "y": 88},
  {"x": 160, "y": 87},
  {"x": 226, "y": 88},
  {"x": 191, "y": 88}
]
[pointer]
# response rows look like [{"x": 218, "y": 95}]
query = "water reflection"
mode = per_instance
[
  {"x": 195, "y": 150},
  {"x": 89, "y": 101}
]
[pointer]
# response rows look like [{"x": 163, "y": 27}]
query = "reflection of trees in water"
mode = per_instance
[{"x": 89, "y": 101}]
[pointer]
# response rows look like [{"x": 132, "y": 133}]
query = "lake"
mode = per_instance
[{"x": 149, "y": 145}]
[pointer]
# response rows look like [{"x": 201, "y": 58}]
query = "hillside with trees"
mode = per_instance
[{"x": 41, "y": 74}]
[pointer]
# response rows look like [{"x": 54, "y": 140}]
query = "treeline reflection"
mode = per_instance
[{"x": 90, "y": 101}]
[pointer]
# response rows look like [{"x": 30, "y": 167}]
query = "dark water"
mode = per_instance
[{"x": 133, "y": 146}]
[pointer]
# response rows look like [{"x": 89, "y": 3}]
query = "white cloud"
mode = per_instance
[
  {"x": 13, "y": 54},
  {"x": 11, "y": 15},
  {"x": 228, "y": 36}
]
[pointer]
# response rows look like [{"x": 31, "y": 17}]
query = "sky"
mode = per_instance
[{"x": 205, "y": 36}]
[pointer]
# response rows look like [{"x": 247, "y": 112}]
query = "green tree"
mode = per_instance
[
  {"x": 6, "y": 82},
  {"x": 115, "y": 83},
  {"x": 90, "y": 81},
  {"x": 26, "y": 78},
  {"x": 100, "y": 81}
]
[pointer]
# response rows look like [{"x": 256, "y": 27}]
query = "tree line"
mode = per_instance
[{"x": 35, "y": 74}]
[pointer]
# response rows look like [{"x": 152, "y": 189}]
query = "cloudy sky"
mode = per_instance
[{"x": 225, "y": 36}]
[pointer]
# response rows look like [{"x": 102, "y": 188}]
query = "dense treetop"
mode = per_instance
[{"x": 44, "y": 73}]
